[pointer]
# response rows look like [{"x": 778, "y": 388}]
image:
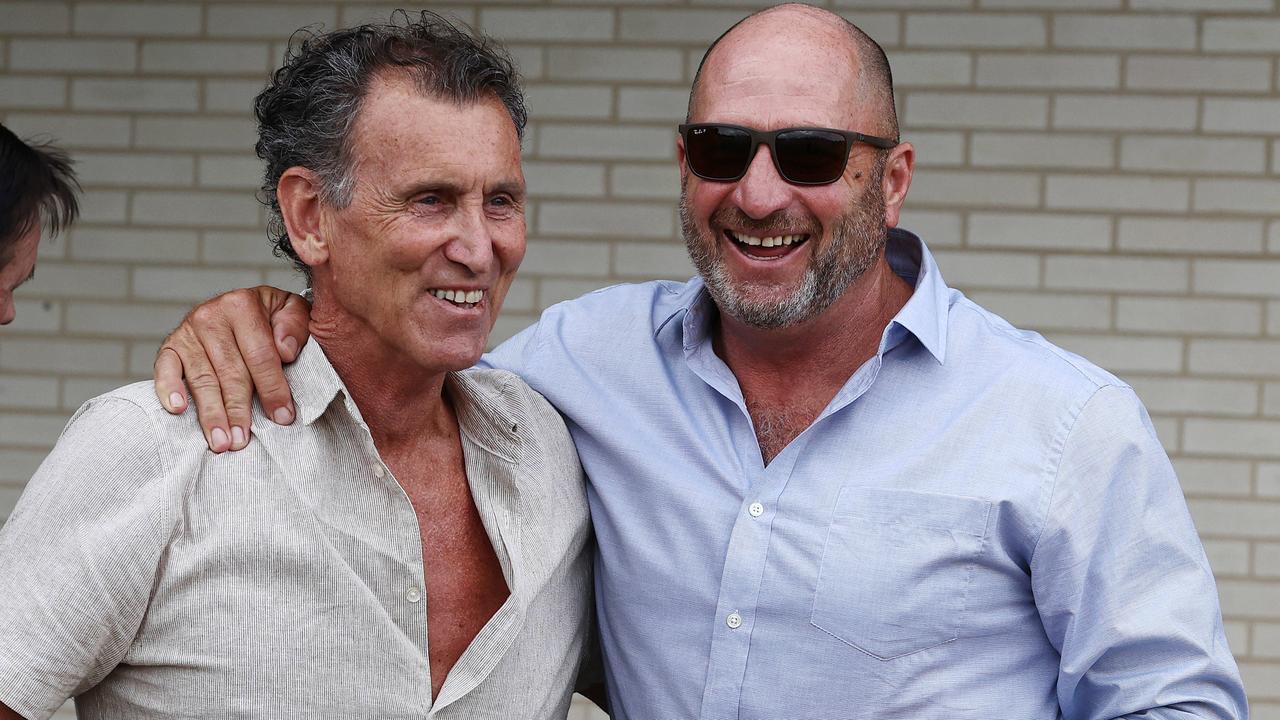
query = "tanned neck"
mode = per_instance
[{"x": 401, "y": 402}]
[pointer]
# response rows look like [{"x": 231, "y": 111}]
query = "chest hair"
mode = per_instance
[{"x": 778, "y": 423}]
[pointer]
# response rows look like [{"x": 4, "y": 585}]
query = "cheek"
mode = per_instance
[
  {"x": 406, "y": 250},
  {"x": 832, "y": 211},
  {"x": 407, "y": 256},
  {"x": 509, "y": 248},
  {"x": 829, "y": 203},
  {"x": 396, "y": 242},
  {"x": 703, "y": 199}
]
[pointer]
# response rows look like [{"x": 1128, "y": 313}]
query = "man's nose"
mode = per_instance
[
  {"x": 762, "y": 190},
  {"x": 7, "y": 310},
  {"x": 472, "y": 241}
]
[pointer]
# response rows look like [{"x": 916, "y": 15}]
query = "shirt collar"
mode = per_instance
[
  {"x": 483, "y": 415},
  {"x": 488, "y": 411},
  {"x": 924, "y": 315},
  {"x": 314, "y": 382}
]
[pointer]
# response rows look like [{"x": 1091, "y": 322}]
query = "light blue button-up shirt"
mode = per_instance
[{"x": 979, "y": 525}]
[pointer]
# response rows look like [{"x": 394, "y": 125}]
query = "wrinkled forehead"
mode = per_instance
[
  {"x": 771, "y": 76},
  {"x": 400, "y": 128}
]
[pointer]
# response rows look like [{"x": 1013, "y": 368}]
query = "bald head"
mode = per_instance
[{"x": 869, "y": 80}]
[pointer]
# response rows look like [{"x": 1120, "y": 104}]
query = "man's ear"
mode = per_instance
[
  {"x": 298, "y": 193},
  {"x": 897, "y": 180}
]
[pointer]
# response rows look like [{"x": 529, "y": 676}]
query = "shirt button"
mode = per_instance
[
  {"x": 379, "y": 471},
  {"x": 734, "y": 621},
  {"x": 413, "y": 596},
  {"x": 756, "y": 509}
]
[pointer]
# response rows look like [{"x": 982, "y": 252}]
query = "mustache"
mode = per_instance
[{"x": 775, "y": 223}]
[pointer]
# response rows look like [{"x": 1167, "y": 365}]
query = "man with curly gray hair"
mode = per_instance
[{"x": 417, "y": 543}]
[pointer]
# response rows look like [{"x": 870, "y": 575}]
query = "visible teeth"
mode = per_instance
[
  {"x": 460, "y": 297},
  {"x": 774, "y": 241}
]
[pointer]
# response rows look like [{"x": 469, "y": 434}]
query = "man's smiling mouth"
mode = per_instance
[
  {"x": 460, "y": 298},
  {"x": 766, "y": 247}
]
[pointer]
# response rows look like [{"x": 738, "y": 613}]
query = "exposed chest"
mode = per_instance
[
  {"x": 465, "y": 584},
  {"x": 778, "y": 418}
]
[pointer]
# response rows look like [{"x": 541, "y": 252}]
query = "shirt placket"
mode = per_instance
[
  {"x": 747, "y": 554},
  {"x": 740, "y": 590},
  {"x": 406, "y": 600}
]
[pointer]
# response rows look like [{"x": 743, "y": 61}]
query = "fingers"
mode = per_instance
[
  {"x": 290, "y": 318},
  {"x": 227, "y": 347},
  {"x": 184, "y": 348},
  {"x": 170, "y": 389},
  {"x": 262, "y": 359},
  {"x": 232, "y": 386}
]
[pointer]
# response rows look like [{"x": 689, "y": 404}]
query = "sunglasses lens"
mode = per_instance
[
  {"x": 812, "y": 157},
  {"x": 717, "y": 152}
]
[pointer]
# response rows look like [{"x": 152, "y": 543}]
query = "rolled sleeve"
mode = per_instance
[
  {"x": 79, "y": 556},
  {"x": 1121, "y": 580}
]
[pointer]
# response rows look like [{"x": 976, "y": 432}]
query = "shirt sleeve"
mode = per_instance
[
  {"x": 1121, "y": 580},
  {"x": 79, "y": 556},
  {"x": 514, "y": 353}
]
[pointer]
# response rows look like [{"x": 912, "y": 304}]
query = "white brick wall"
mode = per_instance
[{"x": 1105, "y": 171}]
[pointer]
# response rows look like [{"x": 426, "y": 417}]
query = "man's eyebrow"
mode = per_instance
[
  {"x": 512, "y": 187},
  {"x": 30, "y": 276},
  {"x": 515, "y": 188},
  {"x": 428, "y": 186}
]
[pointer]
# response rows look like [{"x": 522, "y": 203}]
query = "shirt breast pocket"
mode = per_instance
[{"x": 896, "y": 569}]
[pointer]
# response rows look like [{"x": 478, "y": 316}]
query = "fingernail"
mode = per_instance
[
  {"x": 219, "y": 439},
  {"x": 176, "y": 401},
  {"x": 237, "y": 437},
  {"x": 282, "y": 416},
  {"x": 291, "y": 345}
]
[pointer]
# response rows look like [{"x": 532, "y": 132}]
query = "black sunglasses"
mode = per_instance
[{"x": 803, "y": 156}]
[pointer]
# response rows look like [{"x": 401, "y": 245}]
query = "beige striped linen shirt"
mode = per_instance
[{"x": 148, "y": 577}]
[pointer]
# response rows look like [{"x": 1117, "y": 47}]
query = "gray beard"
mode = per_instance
[{"x": 857, "y": 239}]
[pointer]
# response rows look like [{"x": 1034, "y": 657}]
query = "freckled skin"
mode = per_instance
[
  {"x": 438, "y": 204},
  {"x": 16, "y": 269}
]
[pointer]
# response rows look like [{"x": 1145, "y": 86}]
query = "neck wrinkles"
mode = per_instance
[{"x": 397, "y": 398}]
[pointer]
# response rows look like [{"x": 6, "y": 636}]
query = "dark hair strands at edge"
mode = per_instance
[
  {"x": 311, "y": 103},
  {"x": 37, "y": 185}
]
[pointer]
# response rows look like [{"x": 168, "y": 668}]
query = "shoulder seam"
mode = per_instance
[
  {"x": 1057, "y": 471},
  {"x": 1048, "y": 347},
  {"x": 161, "y": 441}
]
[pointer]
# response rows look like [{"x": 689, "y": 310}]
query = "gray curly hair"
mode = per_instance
[{"x": 308, "y": 109}]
